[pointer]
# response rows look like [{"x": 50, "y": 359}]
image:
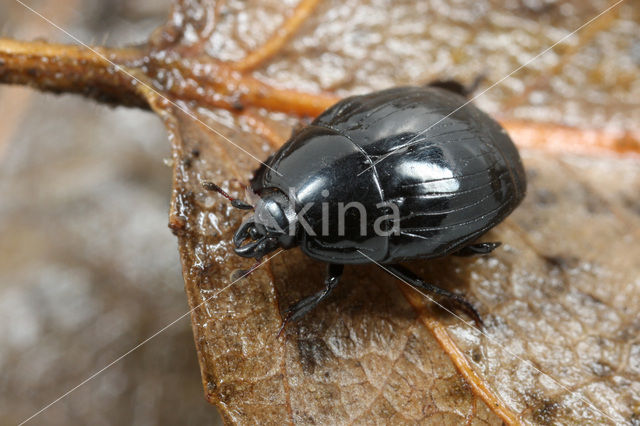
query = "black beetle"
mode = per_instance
[{"x": 450, "y": 170}]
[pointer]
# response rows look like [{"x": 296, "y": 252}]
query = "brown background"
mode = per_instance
[{"x": 88, "y": 267}]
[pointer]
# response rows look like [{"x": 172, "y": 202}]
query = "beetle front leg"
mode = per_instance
[
  {"x": 306, "y": 305},
  {"x": 416, "y": 282},
  {"x": 477, "y": 249}
]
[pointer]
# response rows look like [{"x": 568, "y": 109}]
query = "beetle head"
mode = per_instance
[{"x": 268, "y": 228}]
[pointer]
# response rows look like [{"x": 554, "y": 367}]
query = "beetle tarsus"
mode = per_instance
[
  {"x": 467, "y": 307},
  {"x": 477, "y": 249},
  {"x": 306, "y": 305},
  {"x": 416, "y": 282}
]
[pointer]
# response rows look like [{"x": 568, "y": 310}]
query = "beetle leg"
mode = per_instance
[
  {"x": 416, "y": 282},
  {"x": 457, "y": 87},
  {"x": 239, "y": 274},
  {"x": 476, "y": 249},
  {"x": 306, "y": 305}
]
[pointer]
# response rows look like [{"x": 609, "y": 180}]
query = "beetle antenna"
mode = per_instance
[{"x": 238, "y": 204}]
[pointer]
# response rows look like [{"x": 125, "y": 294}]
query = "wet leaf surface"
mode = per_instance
[
  {"x": 555, "y": 343},
  {"x": 559, "y": 297}
]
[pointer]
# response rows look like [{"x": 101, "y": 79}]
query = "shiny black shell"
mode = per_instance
[{"x": 451, "y": 183}]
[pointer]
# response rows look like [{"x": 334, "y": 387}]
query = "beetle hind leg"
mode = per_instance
[
  {"x": 477, "y": 249},
  {"x": 457, "y": 87},
  {"x": 306, "y": 305},
  {"x": 416, "y": 282}
]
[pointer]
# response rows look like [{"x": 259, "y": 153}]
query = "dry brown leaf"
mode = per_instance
[{"x": 559, "y": 298}]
